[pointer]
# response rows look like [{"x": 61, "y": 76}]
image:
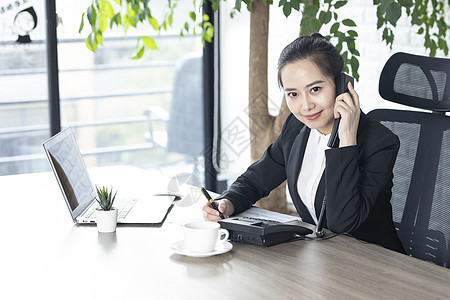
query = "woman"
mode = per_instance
[{"x": 356, "y": 177}]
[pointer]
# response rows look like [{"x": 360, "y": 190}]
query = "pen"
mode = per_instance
[{"x": 213, "y": 204}]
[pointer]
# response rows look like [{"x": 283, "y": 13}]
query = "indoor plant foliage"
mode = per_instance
[
  {"x": 106, "y": 217},
  {"x": 125, "y": 14},
  {"x": 105, "y": 197}
]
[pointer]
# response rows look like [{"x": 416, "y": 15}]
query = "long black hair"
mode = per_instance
[{"x": 316, "y": 48}]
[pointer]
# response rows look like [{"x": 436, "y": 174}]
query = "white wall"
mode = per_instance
[{"x": 234, "y": 45}]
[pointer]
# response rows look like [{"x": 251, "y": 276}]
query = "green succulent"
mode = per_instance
[{"x": 105, "y": 197}]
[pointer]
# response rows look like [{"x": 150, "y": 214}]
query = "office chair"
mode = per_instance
[
  {"x": 185, "y": 129},
  {"x": 421, "y": 192},
  {"x": 185, "y": 120}
]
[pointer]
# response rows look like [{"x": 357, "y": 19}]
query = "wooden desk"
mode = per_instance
[{"x": 49, "y": 258}]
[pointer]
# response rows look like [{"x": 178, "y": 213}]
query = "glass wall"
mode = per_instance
[
  {"x": 23, "y": 85},
  {"x": 121, "y": 110}
]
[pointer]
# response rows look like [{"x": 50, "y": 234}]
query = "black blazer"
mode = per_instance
[{"x": 358, "y": 180}]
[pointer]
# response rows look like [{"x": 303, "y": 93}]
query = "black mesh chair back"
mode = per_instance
[{"x": 421, "y": 192}]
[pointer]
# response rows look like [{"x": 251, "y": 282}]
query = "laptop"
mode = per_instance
[{"x": 79, "y": 193}]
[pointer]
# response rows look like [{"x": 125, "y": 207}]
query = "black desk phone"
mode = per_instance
[
  {"x": 262, "y": 232},
  {"x": 341, "y": 81}
]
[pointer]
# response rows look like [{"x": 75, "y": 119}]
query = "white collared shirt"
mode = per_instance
[{"x": 312, "y": 169}]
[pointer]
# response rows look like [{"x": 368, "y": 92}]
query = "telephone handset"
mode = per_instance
[{"x": 341, "y": 82}]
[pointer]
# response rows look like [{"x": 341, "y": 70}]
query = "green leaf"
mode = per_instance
[
  {"x": 207, "y": 33},
  {"x": 117, "y": 19},
  {"x": 388, "y": 37},
  {"x": 345, "y": 55},
  {"x": 334, "y": 28},
  {"x": 126, "y": 22},
  {"x": 118, "y": 2},
  {"x": 92, "y": 15},
  {"x": 385, "y": 34},
  {"x": 421, "y": 30},
  {"x": 393, "y": 13},
  {"x": 384, "y": 6},
  {"x": 81, "y": 23},
  {"x": 433, "y": 48},
  {"x": 340, "y": 36},
  {"x": 102, "y": 22},
  {"x": 352, "y": 33},
  {"x": 406, "y": 3},
  {"x": 349, "y": 22},
  {"x": 238, "y": 5},
  {"x": 154, "y": 23},
  {"x": 355, "y": 52},
  {"x": 132, "y": 16},
  {"x": 339, "y": 4},
  {"x": 91, "y": 42},
  {"x": 149, "y": 43},
  {"x": 287, "y": 9},
  {"x": 99, "y": 38},
  {"x": 321, "y": 15},
  {"x": 107, "y": 8},
  {"x": 295, "y": 5},
  {"x": 141, "y": 16},
  {"x": 350, "y": 43},
  {"x": 339, "y": 47},
  {"x": 105, "y": 197},
  {"x": 442, "y": 26},
  {"x": 193, "y": 15},
  {"x": 346, "y": 69},
  {"x": 354, "y": 63},
  {"x": 315, "y": 25},
  {"x": 327, "y": 17},
  {"x": 441, "y": 43},
  {"x": 380, "y": 22},
  {"x": 445, "y": 49}
]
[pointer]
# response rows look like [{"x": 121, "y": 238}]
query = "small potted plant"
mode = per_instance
[{"x": 106, "y": 217}]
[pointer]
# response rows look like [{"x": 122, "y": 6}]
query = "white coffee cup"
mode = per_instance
[{"x": 204, "y": 236}]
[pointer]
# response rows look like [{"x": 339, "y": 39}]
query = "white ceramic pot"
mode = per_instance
[{"x": 106, "y": 220}]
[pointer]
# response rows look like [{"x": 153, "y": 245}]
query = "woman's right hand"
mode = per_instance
[{"x": 224, "y": 205}]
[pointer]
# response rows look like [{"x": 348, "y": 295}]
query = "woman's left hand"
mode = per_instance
[{"x": 347, "y": 107}]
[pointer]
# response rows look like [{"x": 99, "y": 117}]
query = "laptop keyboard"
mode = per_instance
[{"x": 123, "y": 208}]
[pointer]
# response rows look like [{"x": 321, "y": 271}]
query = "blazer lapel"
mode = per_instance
[
  {"x": 293, "y": 169},
  {"x": 321, "y": 188}
]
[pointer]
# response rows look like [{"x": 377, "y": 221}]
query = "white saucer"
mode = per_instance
[{"x": 180, "y": 248}]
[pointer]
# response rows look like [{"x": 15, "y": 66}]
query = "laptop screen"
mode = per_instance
[{"x": 69, "y": 168}]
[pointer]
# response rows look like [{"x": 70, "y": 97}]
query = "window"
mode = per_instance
[
  {"x": 121, "y": 110},
  {"x": 23, "y": 83}
]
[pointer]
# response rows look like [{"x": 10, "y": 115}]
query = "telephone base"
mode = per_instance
[{"x": 262, "y": 232}]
